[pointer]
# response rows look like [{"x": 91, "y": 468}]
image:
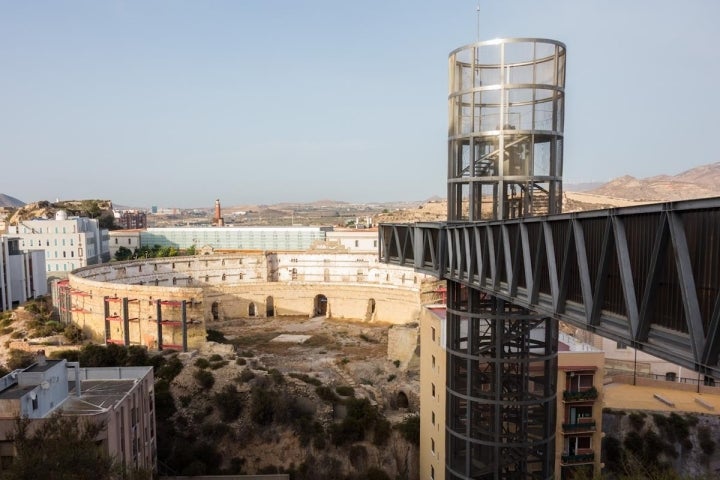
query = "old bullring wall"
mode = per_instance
[{"x": 170, "y": 301}]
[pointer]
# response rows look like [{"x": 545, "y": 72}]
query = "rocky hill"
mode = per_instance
[
  {"x": 699, "y": 182},
  {"x": 45, "y": 209},
  {"x": 10, "y": 202}
]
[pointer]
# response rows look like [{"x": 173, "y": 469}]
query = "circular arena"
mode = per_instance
[{"x": 167, "y": 303}]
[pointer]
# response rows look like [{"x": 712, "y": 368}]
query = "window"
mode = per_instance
[
  {"x": 433, "y": 390},
  {"x": 116, "y": 241},
  {"x": 433, "y": 361},
  {"x": 129, "y": 241},
  {"x": 357, "y": 243},
  {"x": 433, "y": 418},
  {"x": 432, "y": 333},
  {"x": 432, "y": 445},
  {"x": 621, "y": 346},
  {"x": 432, "y": 472},
  {"x": 374, "y": 243}
]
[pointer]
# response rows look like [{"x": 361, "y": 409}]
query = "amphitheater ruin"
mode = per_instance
[{"x": 169, "y": 303}]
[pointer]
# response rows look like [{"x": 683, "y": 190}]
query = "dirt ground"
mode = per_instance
[{"x": 339, "y": 352}]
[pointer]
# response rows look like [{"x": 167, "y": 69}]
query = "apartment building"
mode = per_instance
[
  {"x": 22, "y": 273},
  {"x": 121, "y": 398},
  {"x": 69, "y": 242}
]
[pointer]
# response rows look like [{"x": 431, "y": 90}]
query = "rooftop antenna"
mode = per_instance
[{"x": 477, "y": 9}]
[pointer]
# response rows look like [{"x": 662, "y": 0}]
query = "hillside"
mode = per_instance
[
  {"x": 699, "y": 182},
  {"x": 10, "y": 202},
  {"x": 45, "y": 209},
  {"x": 625, "y": 191}
]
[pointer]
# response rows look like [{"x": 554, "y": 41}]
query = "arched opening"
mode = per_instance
[
  {"x": 670, "y": 376},
  {"x": 269, "y": 307},
  {"x": 320, "y": 305},
  {"x": 251, "y": 310},
  {"x": 370, "y": 309},
  {"x": 402, "y": 400},
  {"x": 215, "y": 310}
]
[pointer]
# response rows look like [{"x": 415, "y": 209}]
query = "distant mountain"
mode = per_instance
[
  {"x": 698, "y": 182},
  {"x": 8, "y": 201}
]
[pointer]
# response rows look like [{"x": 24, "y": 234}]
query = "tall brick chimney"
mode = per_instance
[{"x": 218, "y": 220}]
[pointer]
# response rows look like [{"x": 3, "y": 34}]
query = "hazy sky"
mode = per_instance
[{"x": 176, "y": 103}]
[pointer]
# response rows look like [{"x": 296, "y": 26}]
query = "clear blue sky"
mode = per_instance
[{"x": 176, "y": 103}]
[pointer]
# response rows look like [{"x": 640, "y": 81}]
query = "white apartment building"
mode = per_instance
[
  {"x": 68, "y": 242},
  {"x": 22, "y": 273},
  {"x": 355, "y": 239}
]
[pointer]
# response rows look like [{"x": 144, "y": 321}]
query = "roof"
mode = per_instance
[
  {"x": 97, "y": 396},
  {"x": 36, "y": 367}
]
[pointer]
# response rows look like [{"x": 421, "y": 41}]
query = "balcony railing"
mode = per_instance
[
  {"x": 588, "y": 456},
  {"x": 580, "y": 426},
  {"x": 579, "y": 396}
]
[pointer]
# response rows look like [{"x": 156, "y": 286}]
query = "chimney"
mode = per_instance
[
  {"x": 41, "y": 357},
  {"x": 218, "y": 220}
]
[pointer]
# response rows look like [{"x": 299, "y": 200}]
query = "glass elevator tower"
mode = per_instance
[{"x": 505, "y": 139}]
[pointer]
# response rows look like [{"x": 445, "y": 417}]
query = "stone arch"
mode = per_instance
[
  {"x": 320, "y": 305},
  {"x": 215, "y": 310},
  {"x": 402, "y": 400},
  {"x": 269, "y": 307},
  {"x": 251, "y": 310}
]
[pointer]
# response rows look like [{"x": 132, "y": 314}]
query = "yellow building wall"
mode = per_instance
[{"x": 433, "y": 374}]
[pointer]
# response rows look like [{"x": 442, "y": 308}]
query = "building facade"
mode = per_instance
[
  {"x": 121, "y": 398},
  {"x": 22, "y": 273},
  {"x": 68, "y": 242},
  {"x": 131, "y": 219}
]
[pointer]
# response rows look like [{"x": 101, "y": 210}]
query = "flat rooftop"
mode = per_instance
[
  {"x": 96, "y": 396},
  {"x": 36, "y": 367},
  {"x": 619, "y": 396}
]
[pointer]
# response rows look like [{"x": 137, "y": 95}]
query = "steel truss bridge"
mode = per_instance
[{"x": 646, "y": 276}]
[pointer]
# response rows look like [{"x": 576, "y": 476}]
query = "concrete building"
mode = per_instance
[
  {"x": 119, "y": 397},
  {"x": 68, "y": 242},
  {"x": 131, "y": 219},
  {"x": 578, "y": 406},
  {"x": 22, "y": 273},
  {"x": 129, "y": 239}
]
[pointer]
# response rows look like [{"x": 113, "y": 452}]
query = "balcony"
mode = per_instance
[
  {"x": 582, "y": 425},
  {"x": 582, "y": 455},
  {"x": 580, "y": 396}
]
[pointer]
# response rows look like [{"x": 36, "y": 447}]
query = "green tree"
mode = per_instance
[
  {"x": 123, "y": 254},
  {"x": 59, "y": 448}
]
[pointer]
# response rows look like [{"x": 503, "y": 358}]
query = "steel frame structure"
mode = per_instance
[{"x": 646, "y": 276}]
